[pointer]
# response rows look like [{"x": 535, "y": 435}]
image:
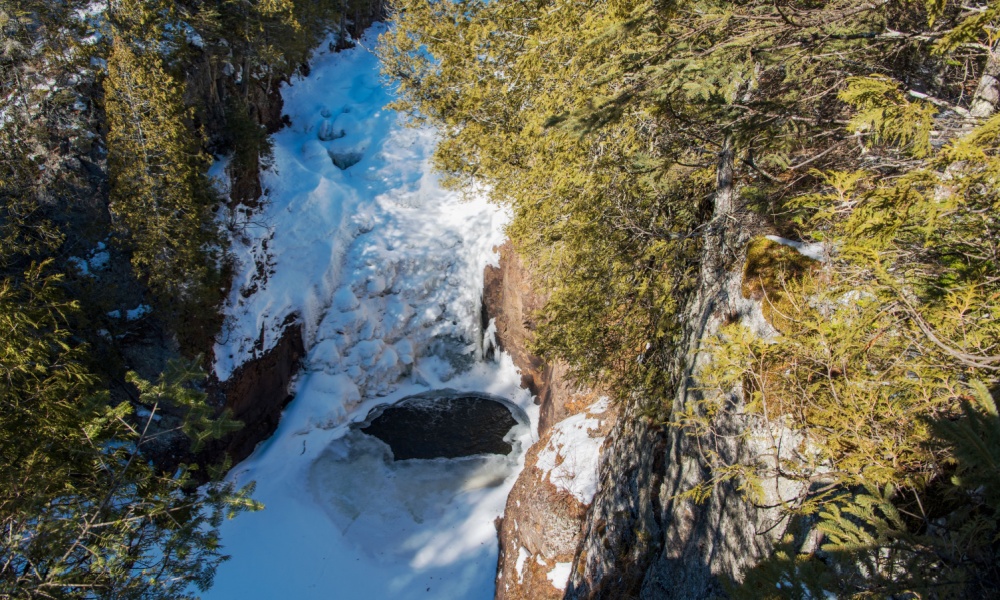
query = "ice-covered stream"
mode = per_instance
[{"x": 384, "y": 269}]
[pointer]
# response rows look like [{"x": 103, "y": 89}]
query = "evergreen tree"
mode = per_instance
[
  {"x": 627, "y": 136},
  {"x": 159, "y": 191},
  {"x": 83, "y": 512}
]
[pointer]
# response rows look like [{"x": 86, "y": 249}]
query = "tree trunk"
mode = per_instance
[
  {"x": 723, "y": 225},
  {"x": 724, "y": 181},
  {"x": 984, "y": 103}
]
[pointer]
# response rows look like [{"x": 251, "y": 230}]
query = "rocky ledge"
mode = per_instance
[{"x": 544, "y": 517}]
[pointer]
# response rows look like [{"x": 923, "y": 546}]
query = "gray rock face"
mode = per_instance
[
  {"x": 642, "y": 538},
  {"x": 624, "y": 529}
]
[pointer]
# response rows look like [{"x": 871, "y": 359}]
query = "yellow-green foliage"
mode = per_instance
[
  {"x": 872, "y": 546},
  {"x": 884, "y": 344},
  {"x": 159, "y": 192},
  {"x": 885, "y": 113},
  {"x": 843, "y": 372},
  {"x": 883, "y": 338},
  {"x": 607, "y": 127},
  {"x": 600, "y": 123},
  {"x": 527, "y": 96},
  {"x": 84, "y": 511}
]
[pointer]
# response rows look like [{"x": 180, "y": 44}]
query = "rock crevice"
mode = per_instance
[{"x": 542, "y": 524}]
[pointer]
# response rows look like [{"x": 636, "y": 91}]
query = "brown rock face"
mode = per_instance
[
  {"x": 256, "y": 394},
  {"x": 542, "y": 524},
  {"x": 511, "y": 299}
]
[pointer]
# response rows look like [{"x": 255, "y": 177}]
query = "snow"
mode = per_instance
[
  {"x": 92, "y": 10},
  {"x": 376, "y": 231},
  {"x": 79, "y": 264},
  {"x": 93, "y": 18},
  {"x": 218, "y": 175},
  {"x": 559, "y": 575},
  {"x": 815, "y": 250},
  {"x": 97, "y": 260},
  {"x": 384, "y": 270},
  {"x": 132, "y": 314},
  {"x": 193, "y": 37},
  {"x": 522, "y": 558},
  {"x": 144, "y": 413},
  {"x": 570, "y": 459}
]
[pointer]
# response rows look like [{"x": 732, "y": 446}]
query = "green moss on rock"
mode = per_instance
[{"x": 769, "y": 267}]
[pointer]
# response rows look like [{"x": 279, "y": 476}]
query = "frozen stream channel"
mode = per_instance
[{"x": 384, "y": 269}]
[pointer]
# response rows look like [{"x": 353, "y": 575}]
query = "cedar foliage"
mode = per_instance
[
  {"x": 628, "y": 137},
  {"x": 83, "y": 513},
  {"x": 160, "y": 194},
  {"x": 511, "y": 84},
  {"x": 105, "y": 137}
]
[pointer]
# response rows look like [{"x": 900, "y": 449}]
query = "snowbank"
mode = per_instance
[{"x": 570, "y": 459}]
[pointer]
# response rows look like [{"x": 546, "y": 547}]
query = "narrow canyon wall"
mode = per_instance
[
  {"x": 640, "y": 538},
  {"x": 543, "y": 520},
  {"x": 511, "y": 299},
  {"x": 542, "y": 524},
  {"x": 255, "y": 394},
  {"x": 257, "y": 391},
  {"x": 643, "y": 538},
  {"x": 215, "y": 83}
]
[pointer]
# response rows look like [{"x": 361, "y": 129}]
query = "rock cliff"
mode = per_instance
[
  {"x": 639, "y": 537},
  {"x": 255, "y": 394},
  {"x": 258, "y": 390},
  {"x": 642, "y": 538},
  {"x": 511, "y": 298},
  {"x": 543, "y": 520}
]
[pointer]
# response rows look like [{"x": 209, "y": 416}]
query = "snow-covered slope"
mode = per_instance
[{"x": 384, "y": 269}]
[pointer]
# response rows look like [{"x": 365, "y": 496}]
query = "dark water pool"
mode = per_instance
[{"x": 445, "y": 424}]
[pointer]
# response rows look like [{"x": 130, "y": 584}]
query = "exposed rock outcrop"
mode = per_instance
[
  {"x": 542, "y": 524},
  {"x": 511, "y": 298},
  {"x": 445, "y": 424},
  {"x": 256, "y": 393},
  {"x": 641, "y": 537}
]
